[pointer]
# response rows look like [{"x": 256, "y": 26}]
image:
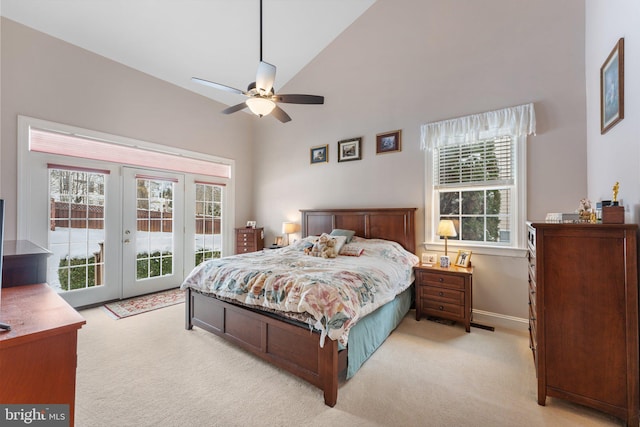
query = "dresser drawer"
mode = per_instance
[
  {"x": 531, "y": 265},
  {"x": 445, "y": 295},
  {"x": 245, "y": 249},
  {"x": 244, "y": 242},
  {"x": 441, "y": 279}
]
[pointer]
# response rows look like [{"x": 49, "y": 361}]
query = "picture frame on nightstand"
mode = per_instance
[
  {"x": 463, "y": 259},
  {"x": 429, "y": 258}
]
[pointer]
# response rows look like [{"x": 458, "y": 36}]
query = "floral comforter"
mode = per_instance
[{"x": 335, "y": 292}]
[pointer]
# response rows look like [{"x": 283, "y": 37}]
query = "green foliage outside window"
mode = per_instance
[
  {"x": 155, "y": 264},
  {"x": 475, "y": 212},
  {"x": 205, "y": 255},
  {"x": 76, "y": 273}
]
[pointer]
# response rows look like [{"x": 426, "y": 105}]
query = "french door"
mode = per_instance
[
  {"x": 83, "y": 204},
  {"x": 152, "y": 231},
  {"x": 117, "y": 230}
]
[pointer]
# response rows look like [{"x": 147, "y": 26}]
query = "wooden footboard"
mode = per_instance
[{"x": 292, "y": 348}]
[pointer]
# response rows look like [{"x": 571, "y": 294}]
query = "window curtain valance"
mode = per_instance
[{"x": 515, "y": 121}]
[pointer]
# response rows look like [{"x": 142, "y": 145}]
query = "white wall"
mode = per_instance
[
  {"x": 614, "y": 156},
  {"x": 49, "y": 79},
  {"x": 404, "y": 63}
]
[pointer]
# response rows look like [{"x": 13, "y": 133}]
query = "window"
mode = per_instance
[{"x": 478, "y": 165}]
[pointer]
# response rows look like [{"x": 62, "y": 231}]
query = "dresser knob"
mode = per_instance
[
  {"x": 441, "y": 279},
  {"x": 441, "y": 293},
  {"x": 441, "y": 308}
]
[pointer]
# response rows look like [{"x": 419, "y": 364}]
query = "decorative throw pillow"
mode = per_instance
[
  {"x": 340, "y": 232},
  {"x": 352, "y": 250}
]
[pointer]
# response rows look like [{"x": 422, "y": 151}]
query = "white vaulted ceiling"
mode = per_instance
[{"x": 173, "y": 40}]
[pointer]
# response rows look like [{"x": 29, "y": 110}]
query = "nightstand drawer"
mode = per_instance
[
  {"x": 441, "y": 309},
  {"x": 441, "y": 279},
  {"x": 448, "y": 296}
]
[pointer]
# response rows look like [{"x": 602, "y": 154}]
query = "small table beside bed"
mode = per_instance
[{"x": 285, "y": 306}]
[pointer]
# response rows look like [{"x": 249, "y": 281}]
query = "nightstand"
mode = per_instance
[{"x": 444, "y": 292}]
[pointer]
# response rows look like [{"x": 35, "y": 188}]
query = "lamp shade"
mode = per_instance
[
  {"x": 289, "y": 227},
  {"x": 260, "y": 106},
  {"x": 446, "y": 228}
]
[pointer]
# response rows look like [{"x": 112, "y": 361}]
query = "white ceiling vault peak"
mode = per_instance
[{"x": 174, "y": 40}]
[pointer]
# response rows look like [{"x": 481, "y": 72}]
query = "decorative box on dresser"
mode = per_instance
[
  {"x": 583, "y": 310},
  {"x": 249, "y": 240},
  {"x": 444, "y": 292}
]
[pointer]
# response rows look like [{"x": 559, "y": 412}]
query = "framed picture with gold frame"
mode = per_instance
[
  {"x": 463, "y": 259},
  {"x": 612, "y": 88},
  {"x": 319, "y": 154}
]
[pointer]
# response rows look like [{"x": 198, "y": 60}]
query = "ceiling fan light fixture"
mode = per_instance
[{"x": 260, "y": 106}]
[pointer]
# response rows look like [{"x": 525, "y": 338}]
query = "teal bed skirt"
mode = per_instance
[{"x": 371, "y": 331}]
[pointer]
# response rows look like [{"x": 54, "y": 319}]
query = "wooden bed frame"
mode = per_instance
[{"x": 293, "y": 348}]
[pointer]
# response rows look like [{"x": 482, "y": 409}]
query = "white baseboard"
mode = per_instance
[{"x": 500, "y": 320}]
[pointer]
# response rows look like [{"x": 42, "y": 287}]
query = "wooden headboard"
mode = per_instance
[{"x": 396, "y": 224}]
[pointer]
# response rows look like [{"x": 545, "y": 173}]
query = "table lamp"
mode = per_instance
[
  {"x": 288, "y": 228},
  {"x": 446, "y": 229}
]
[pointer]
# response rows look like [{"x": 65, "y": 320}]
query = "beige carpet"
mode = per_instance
[{"x": 147, "y": 370}]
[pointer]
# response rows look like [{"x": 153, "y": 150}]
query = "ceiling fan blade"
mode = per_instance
[
  {"x": 266, "y": 76},
  {"x": 279, "y": 114},
  {"x": 217, "y": 85},
  {"x": 235, "y": 108},
  {"x": 299, "y": 99}
]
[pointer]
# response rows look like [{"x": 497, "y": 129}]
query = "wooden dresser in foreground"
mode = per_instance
[
  {"x": 444, "y": 292},
  {"x": 38, "y": 355},
  {"x": 249, "y": 240},
  {"x": 583, "y": 299}
]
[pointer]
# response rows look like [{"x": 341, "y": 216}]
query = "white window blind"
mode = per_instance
[{"x": 487, "y": 162}]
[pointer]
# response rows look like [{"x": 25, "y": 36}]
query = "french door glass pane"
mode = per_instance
[
  {"x": 208, "y": 236},
  {"x": 76, "y": 228},
  {"x": 154, "y": 237}
]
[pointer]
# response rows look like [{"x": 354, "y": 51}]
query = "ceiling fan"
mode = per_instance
[{"x": 261, "y": 97}]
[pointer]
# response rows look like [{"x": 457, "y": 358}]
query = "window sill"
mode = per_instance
[{"x": 480, "y": 250}]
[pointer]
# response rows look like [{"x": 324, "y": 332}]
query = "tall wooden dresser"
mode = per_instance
[
  {"x": 249, "y": 240},
  {"x": 583, "y": 299}
]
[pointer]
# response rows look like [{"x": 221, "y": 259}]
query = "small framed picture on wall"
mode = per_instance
[
  {"x": 319, "y": 154},
  {"x": 349, "y": 149},
  {"x": 389, "y": 142}
]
